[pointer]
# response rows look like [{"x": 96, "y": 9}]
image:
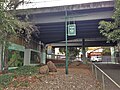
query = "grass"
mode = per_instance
[
  {"x": 7, "y": 79},
  {"x": 60, "y": 65},
  {"x": 23, "y": 84},
  {"x": 25, "y": 70}
]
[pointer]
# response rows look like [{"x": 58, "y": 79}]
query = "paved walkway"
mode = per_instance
[{"x": 113, "y": 71}]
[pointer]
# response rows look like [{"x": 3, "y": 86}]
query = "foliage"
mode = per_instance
[
  {"x": 13, "y": 4},
  {"x": 7, "y": 25},
  {"x": 11, "y": 26},
  {"x": 106, "y": 51},
  {"x": 15, "y": 59},
  {"x": 111, "y": 29},
  {"x": 25, "y": 70},
  {"x": 6, "y": 79},
  {"x": 72, "y": 52}
]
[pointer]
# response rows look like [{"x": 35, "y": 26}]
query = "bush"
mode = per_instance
[
  {"x": 25, "y": 70},
  {"x": 6, "y": 79}
]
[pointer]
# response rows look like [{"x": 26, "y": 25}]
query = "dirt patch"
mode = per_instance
[{"x": 79, "y": 78}]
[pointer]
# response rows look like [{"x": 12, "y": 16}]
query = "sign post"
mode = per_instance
[
  {"x": 70, "y": 30},
  {"x": 66, "y": 64}
]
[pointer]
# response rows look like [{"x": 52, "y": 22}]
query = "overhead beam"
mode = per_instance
[
  {"x": 87, "y": 44},
  {"x": 84, "y": 6}
]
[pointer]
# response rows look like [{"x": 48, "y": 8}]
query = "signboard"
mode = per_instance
[
  {"x": 16, "y": 47},
  {"x": 72, "y": 30}
]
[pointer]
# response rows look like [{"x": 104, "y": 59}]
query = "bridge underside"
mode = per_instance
[
  {"x": 55, "y": 32},
  {"x": 87, "y": 43},
  {"x": 51, "y": 22}
]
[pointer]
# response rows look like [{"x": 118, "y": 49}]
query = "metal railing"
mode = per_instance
[
  {"x": 56, "y": 57},
  {"x": 106, "y": 82}
]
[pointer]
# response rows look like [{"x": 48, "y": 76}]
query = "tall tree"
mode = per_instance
[
  {"x": 72, "y": 52},
  {"x": 11, "y": 26},
  {"x": 111, "y": 29}
]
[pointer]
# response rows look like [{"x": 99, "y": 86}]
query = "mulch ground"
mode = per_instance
[{"x": 79, "y": 78}]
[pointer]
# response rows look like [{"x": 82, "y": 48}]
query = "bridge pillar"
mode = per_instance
[
  {"x": 83, "y": 51},
  {"x": 43, "y": 55},
  {"x": 27, "y": 56},
  {"x": 53, "y": 55},
  {"x": 112, "y": 54}
]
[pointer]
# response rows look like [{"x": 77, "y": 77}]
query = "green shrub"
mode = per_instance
[
  {"x": 6, "y": 79},
  {"x": 25, "y": 70},
  {"x": 0, "y": 88}
]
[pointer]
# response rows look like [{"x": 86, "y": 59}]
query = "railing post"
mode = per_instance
[
  {"x": 96, "y": 72},
  {"x": 103, "y": 81},
  {"x": 92, "y": 69},
  {"x": 103, "y": 78}
]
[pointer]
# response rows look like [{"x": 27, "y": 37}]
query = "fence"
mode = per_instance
[{"x": 106, "y": 82}]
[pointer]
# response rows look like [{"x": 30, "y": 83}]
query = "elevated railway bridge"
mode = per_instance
[{"x": 50, "y": 21}]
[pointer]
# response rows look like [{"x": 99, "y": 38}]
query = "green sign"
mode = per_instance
[
  {"x": 16, "y": 47},
  {"x": 71, "y": 29}
]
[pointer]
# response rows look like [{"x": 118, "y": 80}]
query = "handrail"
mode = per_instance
[{"x": 107, "y": 75}]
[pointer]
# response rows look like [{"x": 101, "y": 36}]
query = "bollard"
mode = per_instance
[{"x": 92, "y": 69}]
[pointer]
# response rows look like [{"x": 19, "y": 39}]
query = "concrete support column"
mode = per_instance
[
  {"x": 112, "y": 49},
  {"x": 83, "y": 51},
  {"x": 53, "y": 53},
  {"x": 39, "y": 49},
  {"x": 43, "y": 55},
  {"x": 27, "y": 56}
]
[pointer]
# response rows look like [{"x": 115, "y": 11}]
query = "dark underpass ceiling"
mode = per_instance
[
  {"x": 51, "y": 22},
  {"x": 55, "y": 32}
]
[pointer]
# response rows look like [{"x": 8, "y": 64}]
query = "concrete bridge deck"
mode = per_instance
[{"x": 51, "y": 21}]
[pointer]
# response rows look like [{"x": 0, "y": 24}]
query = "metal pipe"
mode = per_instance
[
  {"x": 66, "y": 69},
  {"x": 92, "y": 69},
  {"x": 103, "y": 81},
  {"x": 96, "y": 72}
]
